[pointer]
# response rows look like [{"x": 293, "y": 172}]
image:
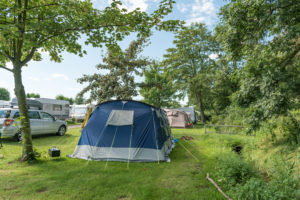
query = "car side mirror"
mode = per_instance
[{"x": 54, "y": 119}]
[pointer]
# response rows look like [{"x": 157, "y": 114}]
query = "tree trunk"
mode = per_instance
[
  {"x": 27, "y": 153},
  {"x": 200, "y": 104}
]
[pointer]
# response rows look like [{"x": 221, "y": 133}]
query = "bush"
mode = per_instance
[
  {"x": 253, "y": 189},
  {"x": 291, "y": 129},
  {"x": 232, "y": 170},
  {"x": 282, "y": 187},
  {"x": 241, "y": 181}
]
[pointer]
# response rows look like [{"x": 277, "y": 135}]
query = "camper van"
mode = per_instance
[
  {"x": 57, "y": 108},
  {"x": 4, "y": 104},
  {"x": 78, "y": 112}
]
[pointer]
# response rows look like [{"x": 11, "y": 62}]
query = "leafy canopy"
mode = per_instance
[
  {"x": 265, "y": 36},
  {"x": 4, "y": 94},
  {"x": 119, "y": 81},
  {"x": 157, "y": 88},
  {"x": 32, "y": 95},
  {"x": 62, "y": 97},
  {"x": 189, "y": 62},
  {"x": 55, "y": 26}
]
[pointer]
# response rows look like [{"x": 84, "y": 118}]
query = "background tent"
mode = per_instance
[
  {"x": 125, "y": 131},
  {"x": 178, "y": 118},
  {"x": 193, "y": 114}
]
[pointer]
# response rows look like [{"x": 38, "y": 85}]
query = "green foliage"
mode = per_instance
[
  {"x": 242, "y": 181},
  {"x": 62, "y": 97},
  {"x": 253, "y": 189},
  {"x": 79, "y": 100},
  {"x": 231, "y": 115},
  {"x": 266, "y": 39},
  {"x": 29, "y": 21},
  {"x": 291, "y": 129},
  {"x": 119, "y": 82},
  {"x": 225, "y": 83},
  {"x": 32, "y": 95},
  {"x": 189, "y": 63},
  {"x": 4, "y": 94},
  {"x": 282, "y": 187},
  {"x": 232, "y": 170},
  {"x": 157, "y": 88}
]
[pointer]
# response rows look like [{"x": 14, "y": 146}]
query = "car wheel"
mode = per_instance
[
  {"x": 18, "y": 136},
  {"x": 61, "y": 131}
]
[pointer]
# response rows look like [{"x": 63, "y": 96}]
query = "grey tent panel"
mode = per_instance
[{"x": 120, "y": 118}]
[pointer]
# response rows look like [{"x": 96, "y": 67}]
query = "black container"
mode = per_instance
[{"x": 54, "y": 152}]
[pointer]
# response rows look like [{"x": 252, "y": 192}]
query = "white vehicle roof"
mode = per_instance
[
  {"x": 51, "y": 101},
  {"x": 44, "y": 101},
  {"x": 4, "y": 102}
]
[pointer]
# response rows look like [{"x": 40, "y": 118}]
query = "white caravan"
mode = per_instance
[
  {"x": 4, "y": 104},
  {"x": 58, "y": 108},
  {"x": 78, "y": 112}
]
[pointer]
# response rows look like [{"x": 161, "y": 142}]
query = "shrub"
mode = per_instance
[
  {"x": 241, "y": 181},
  {"x": 232, "y": 170},
  {"x": 282, "y": 187},
  {"x": 291, "y": 129},
  {"x": 253, "y": 189}
]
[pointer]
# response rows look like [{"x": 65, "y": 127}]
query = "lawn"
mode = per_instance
[{"x": 67, "y": 178}]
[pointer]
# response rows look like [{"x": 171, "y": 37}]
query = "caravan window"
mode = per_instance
[{"x": 57, "y": 107}]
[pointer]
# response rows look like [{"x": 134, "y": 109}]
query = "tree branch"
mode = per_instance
[
  {"x": 29, "y": 56},
  {"x": 78, "y": 29},
  {"x": 9, "y": 56},
  {"x": 45, "y": 5},
  {"x": 3, "y": 67}
]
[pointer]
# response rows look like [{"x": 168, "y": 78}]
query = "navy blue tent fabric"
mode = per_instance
[{"x": 148, "y": 138}]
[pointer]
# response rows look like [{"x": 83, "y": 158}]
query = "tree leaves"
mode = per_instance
[
  {"x": 265, "y": 36},
  {"x": 119, "y": 81}
]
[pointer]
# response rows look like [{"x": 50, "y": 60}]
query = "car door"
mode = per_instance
[
  {"x": 36, "y": 124},
  {"x": 49, "y": 123}
]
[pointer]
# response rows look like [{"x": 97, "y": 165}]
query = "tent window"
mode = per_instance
[{"x": 120, "y": 118}]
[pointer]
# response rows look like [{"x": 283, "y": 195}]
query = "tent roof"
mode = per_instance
[{"x": 111, "y": 101}]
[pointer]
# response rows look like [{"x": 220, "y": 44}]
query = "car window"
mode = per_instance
[
  {"x": 46, "y": 116},
  {"x": 4, "y": 113},
  {"x": 16, "y": 115},
  {"x": 34, "y": 115}
]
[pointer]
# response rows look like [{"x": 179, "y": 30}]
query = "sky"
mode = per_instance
[{"x": 50, "y": 79}]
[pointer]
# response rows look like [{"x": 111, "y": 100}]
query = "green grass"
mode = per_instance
[{"x": 67, "y": 178}]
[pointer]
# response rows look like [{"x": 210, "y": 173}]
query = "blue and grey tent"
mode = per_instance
[{"x": 125, "y": 131}]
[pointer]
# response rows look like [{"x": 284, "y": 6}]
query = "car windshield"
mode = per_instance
[{"x": 4, "y": 113}]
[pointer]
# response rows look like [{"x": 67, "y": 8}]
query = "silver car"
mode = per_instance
[{"x": 40, "y": 123}]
